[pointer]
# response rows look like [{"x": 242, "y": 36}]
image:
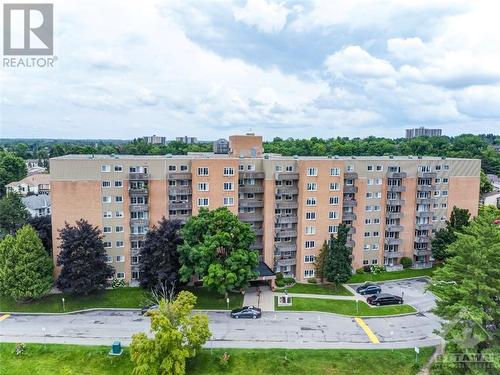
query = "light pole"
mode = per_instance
[
  {"x": 64, "y": 307},
  {"x": 357, "y": 306}
]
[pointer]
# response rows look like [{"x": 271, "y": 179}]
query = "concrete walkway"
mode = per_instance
[
  {"x": 321, "y": 296},
  {"x": 260, "y": 297}
]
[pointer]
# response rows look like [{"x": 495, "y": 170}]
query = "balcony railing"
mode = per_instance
[
  {"x": 350, "y": 243},
  {"x": 140, "y": 192},
  {"x": 285, "y": 246},
  {"x": 282, "y": 176},
  {"x": 349, "y": 203},
  {"x": 137, "y": 176},
  {"x": 395, "y": 202},
  {"x": 257, "y": 245},
  {"x": 286, "y": 233},
  {"x": 350, "y": 189},
  {"x": 287, "y": 190},
  {"x": 140, "y": 222},
  {"x": 425, "y": 187},
  {"x": 422, "y": 239},
  {"x": 352, "y": 230},
  {"x": 351, "y": 175},
  {"x": 427, "y": 226},
  {"x": 138, "y": 207},
  {"x": 137, "y": 237},
  {"x": 393, "y": 215},
  {"x": 394, "y": 228},
  {"x": 250, "y": 203},
  {"x": 396, "y": 188},
  {"x": 423, "y": 213},
  {"x": 348, "y": 216},
  {"x": 179, "y": 190},
  {"x": 396, "y": 174},
  {"x": 251, "y": 189},
  {"x": 252, "y": 174},
  {"x": 258, "y": 231},
  {"x": 180, "y": 205},
  {"x": 394, "y": 267},
  {"x": 393, "y": 241},
  {"x": 183, "y": 218},
  {"x": 284, "y": 205},
  {"x": 425, "y": 200},
  {"x": 250, "y": 217},
  {"x": 292, "y": 219},
  {"x": 286, "y": 262},
  {"x": 180, "y": 176},
  {"x": 426, "y": 174},
  {"x": 422, "y": 252},
  {"x": 420, "y": 265},
  {"x": 393, "y": 254}
]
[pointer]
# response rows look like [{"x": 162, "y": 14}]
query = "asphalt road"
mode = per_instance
[{"x": 273, "y": 330}]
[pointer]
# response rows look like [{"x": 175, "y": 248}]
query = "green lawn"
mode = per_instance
[
  {"x": 93, "y": 360},
  {"x": 119, "y": 298},
  {"x": 344, "y": 307},
  {"x": 391, "y": 275},
  {"x": 317, "y": 289}
]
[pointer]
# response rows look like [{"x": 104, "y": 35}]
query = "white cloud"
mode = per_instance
[
  {"x": 353, "y": 61},
  {"x": 267, "y": 17}
]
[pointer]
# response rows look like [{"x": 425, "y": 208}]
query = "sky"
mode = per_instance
[{"x": 299, "y": 69}]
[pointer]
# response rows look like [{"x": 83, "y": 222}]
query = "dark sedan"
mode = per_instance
[
  {"x": 384, "y": 299},
  {"x": 248, "y": 312},
  {"x": 146, "y": 310},
  {"x": 368, "y": 289}
]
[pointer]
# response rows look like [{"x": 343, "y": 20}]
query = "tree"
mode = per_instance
[
  {"x": 12, "y": 168},
  {"x": 43, "y": 226},
  {"x": 178, "y": 335},
  {"x": 338, "y": 265},
  {"x": 217, "y": 247},
  {"x": 83, "y": 259},
  {"x": 159, "y": 257},
  {"x": 444, "y": 237},
  {"x": 25, "y": 267},
  {"x": 320, "y": 262},
  {"x": 467, "y": 286},
  {"x": 485, "y": 184},
  {"x": 13, "y": 214}
]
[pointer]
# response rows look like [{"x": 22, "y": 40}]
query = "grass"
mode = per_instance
[
  {"x": 384, "y": 276},
  {"x": 343, "y": 307},
  {"x": 93, "y": 360},
  {"x": 317, "y": 289},
  {"x": 113, "y": 298}
]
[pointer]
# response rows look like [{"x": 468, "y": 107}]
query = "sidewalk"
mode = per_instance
[
  {"x": 264, "y": 299},
  {"x": 320, "y": 296}
]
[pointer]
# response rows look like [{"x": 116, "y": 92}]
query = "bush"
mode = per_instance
[
  {"x": 20, "y": 348},
  {"x": 312, "y": 280},
  {"x": 375, "y": 270},
  {"x": 406, "y": 262},
  {"x": 288, "y": 280},
  {"x": 118, "y": 283},
  {"x": 224, "y": 360},
  {"x": 367, "y": 269},
  {"x": 280, "y": 283},
  {"x": 360, "y": 271},
  {"x": 279, "y": 276}
]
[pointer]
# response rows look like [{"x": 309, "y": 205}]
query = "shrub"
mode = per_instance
[
  {"x": 360, "y": 271},
  {"x": 279, "y": 276},
  {"x": 288, "y": 280},
  {"x": 20, "y": 348},
  {"x": 375, "y": 270},
  {"x": 367, "y": 269},
  {"x": 118, "y": 283},
  {"x": 312, "y": 280},
  {"x": 280, "y": 283},
  {"x": 224, "y": 360},
  {"x": 406, "y": 262}
]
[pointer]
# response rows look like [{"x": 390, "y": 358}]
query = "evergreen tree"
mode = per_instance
[
  {"x": 444, "y": 237},
  {"x": 43, "y": 226},
  {"x": 25, "y": 267},
  {"x": 13, "y": 214},
  {"x": 159, "y": 257},
  {"x": 83, "y": 259},
  {"x": 338, "y": 265},
  {"x": 321, "y": 260}
]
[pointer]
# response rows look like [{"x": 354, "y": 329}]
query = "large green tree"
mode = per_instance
[
  {"x": 43, "y": 226},
  {"x": 321, "y": 262},
  {"x": 338, "y": 264},
  {"x": 468, "y": 288},
  {"x": 12, "y": 168},
  {"x": 217, "y": 248},
  {"x": 82, "y": 259},
  {"x": 13, "y": 214},
  {"x": 159, "y": 256},
  {"x": 177, "y": 335},
  {"x": 25, "y": 267},
  {"x": 485, "y": 185},
  {"x": 444, "y": 237}
]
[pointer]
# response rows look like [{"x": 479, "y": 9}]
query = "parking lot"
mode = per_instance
[{"x": 412, "y": 290}]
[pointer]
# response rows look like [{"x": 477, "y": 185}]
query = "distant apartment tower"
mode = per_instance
[
  {"x": 187, "y": 140},
  {"x": 392, "y": 204},
  {"x": 221, "y": 146},
  {"x": 155, "y": 140},
  {"x": 423, "y": 132}
]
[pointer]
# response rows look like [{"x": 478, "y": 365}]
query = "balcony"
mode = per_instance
[
  {"x": 137, "y": 176},
  {"x": 283, "y": 205},
  {"x": 251, "y": 189},
  {"x": 350, "y": 243},
  {"x": 393, "y": 241},
  {"x": 281, "y": 233},
  {"x": 292, "y": 219},
  {"x": 425, "y": 187},
  {"x": 393, "y": 215},
  {"x": 393, "y": 254},
  {"x": 252, "y": 174},
  {"x": 352, "y": 230},
  {"x": 349, "y": 203},
  {"x": 258, "y": 231},
  {"x": 138, "y": 207},
  {"x": 138, "y": 192},
  {"x": 182, "y": 218},
  {"x": 179, "y": 190},
  {"x": 250, "y": 203},
  {"x": 286, "y": 262},
  {"x": 394, "y": 228},
  {"x": 350, "y": 175},
  {"x": 396, "y": 174},
  {"x": 180, "y": 176},
  {"x": 426, "y": 226},
  {"x": 257, "y": 245},
  {"x": 250, "y": 217},
  {"x": 421, "y": 265},
  {"x": 287, "y": 190},
  {"x": 394, "y": 267},
  {"x": 422, "y": 239},
  {"x": 285, "y": 246},
  {"x": 137, "y": 237},
  {"x": 426, "y": 174},
  {"x": 282, "y": 176},
  {"x": 348, "y": 216},
  {"x": 395, "y": 202},
  {"x": 179, "y": 205},
  {"x": 350, "y": 189},
  {"x": 425, "y": 200},
  {"x": 396, "y": 188},
  {"x": 422, "y": 252},
  {"x": 424, "y": 213},
  {"x": 139, "y": 222}
]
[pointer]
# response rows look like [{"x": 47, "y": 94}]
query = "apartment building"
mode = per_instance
[
  {"x": 423, "y": 132},
  {"x": 392, "y": 204}
]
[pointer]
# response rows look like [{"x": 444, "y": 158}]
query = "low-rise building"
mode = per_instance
[
  {"x": 492, "y": 198},
  {"x": 35, "y": 184},
  {"x": 37, "y": 205}
]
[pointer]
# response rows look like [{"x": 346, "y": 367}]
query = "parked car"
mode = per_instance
[
  {"x": 249, "y": 312},
  {"x": 146, "y": 310},
  {"x": 384, "y": 299},
  {"x": 368, "y": 288}
]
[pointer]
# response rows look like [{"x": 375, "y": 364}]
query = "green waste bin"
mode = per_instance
[{"x": 116, "y": 348}]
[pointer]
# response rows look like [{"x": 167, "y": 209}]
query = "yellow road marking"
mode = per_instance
[
  {"x": 3, "y": 317},
  {"x": 367, "y": 330}
]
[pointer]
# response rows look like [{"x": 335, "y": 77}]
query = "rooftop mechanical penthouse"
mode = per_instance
[{"x": 393, "y": 204}]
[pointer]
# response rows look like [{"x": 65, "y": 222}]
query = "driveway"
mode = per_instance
[{"x": 412, "y": 290}]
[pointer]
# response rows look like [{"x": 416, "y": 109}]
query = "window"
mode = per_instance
[
  {"x": 333, "y": 215},
  {"x": 380, "y": 168},
  {"x": 107, "y": 214},
  {"x": 376, "y": 220},
  {"x": 118, "y": 168},
  {"x": 118, "y": 199},
  {"x": 119, "y": 244},
  {"x": 118, "y": 214},
  {"x": 369, "y": 195},
  {"x": 437, "y": 193},
  {"x": 350, "y": 168},
  {"x": 334, "y": 171},
  {"x": 312, "y": 171},
  {"x": 310, "y": 215},
  {"x": 107, "y": 244},
  {"x": 105, "y": 168},
  {"x": 310, "y": 230},
  {"x": 368, "y": 208},
  {"x": 366, "y": 247},
  {"x": 333, "y": 229},
  {"x": 334, "y": 186},
  {"x": 445, "y": 180},
  {"x": 228, "y": 186},
  {"x": 309, "y": 258},
  {"x": 228, "y": 171},
  {"x": 119, "y": 229},
  {"x": 374, "y": 261},
  {"x": 377, "y": 194},
  {"x": 446, "y": 167},
  {"x": 368, "y": 221},
  {"x": 109, "y": 259},
  {"x": 203, "y": 171},
  {"x": 308, "y": 273},
  {"x": 435, "y": 205},
  {"x": 444, "y": 193},
  {"x": 120, "y": 275},
  {"x": 375, "y": 246},
  {"x": 118, "y": 184},
  {"x": 375, "y": 234},
  {"x": 369, "y": 181},
  {"x": 376, "y": 208},
  {"x": 378, "y": 181},
  {"x": 184, "y": 168},
  {"x": 311, "y": 186},
  {"x": 367, "y": 234},
  {"x": 106, "y": 184},
  {"x": 334, "y": 200},
  {"x": 311, "y": 201},
  {"x": 202, "y": 202},
  {"x": 309, "y": 244},
  {"x": 241, "y": 167},
  {"x": 365, "y": 262},
  {"x": 444, "y": 205},
  {"x": 228, "y": 201},
  {"x": 202, "y": 186},
  {"x": 369, "y": 167},
  {"x": 106, "y": 229},
  {"x": 437, "y": 167},
  {"x": 172, "y": 168},
  {"x": 437, "y": 181},
  {"x": 106, "y": 199}
]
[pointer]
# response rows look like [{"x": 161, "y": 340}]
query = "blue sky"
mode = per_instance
[{"x": 280, "y": 68}]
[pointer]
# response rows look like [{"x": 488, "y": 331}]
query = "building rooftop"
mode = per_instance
[
  {"x": 35, "y": 202},
  {"x": 33, "y": 180}
]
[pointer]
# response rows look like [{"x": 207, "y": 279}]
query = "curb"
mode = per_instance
[
  {"x": 393, "y": 280},
  {"x": 347, "y": 316},
  {"x": 91, "y": 310}
]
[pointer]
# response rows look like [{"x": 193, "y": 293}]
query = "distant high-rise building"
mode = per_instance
[
  {"x": 155, "y": 140},
  {"x": 187, "y": 140},
  {"x": 423, "y": 132},
  {"x": 221, "y": 146}
]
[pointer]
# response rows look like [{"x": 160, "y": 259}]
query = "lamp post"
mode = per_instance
[
  {"x": 357, "y": 306},
  {"x": 64, "y": 307}
]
